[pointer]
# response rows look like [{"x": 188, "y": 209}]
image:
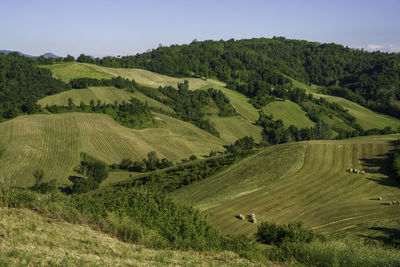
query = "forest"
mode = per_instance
[{"x": 256, "y": 66}]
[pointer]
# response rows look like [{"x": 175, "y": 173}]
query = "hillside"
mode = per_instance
[
  {"x": 53, "y": 143},
  {"x": 304, "y": 181},
  {"x": 288, "y": 111},
  {"x": 33, "y": 240}
]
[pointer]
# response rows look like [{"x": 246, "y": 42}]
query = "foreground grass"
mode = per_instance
[{"x": 29, "y": 239}]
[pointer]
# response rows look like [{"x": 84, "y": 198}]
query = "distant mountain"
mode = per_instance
[
  {"x": 10, "y": 51},
  {"x": 49, "y": 55},
  {"x": 46, "y": 55}
]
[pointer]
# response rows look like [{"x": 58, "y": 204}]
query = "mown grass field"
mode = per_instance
[
  {"x": 68, "y": 71},
  {"x": 54, "y": 142},
  {"x": 304, "y": 181},
  {"x": 289, "y": 112},
  {"x": 32, "y": 240}
]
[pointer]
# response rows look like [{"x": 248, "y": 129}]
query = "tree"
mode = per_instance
[
  {"x": 69, "y": 58},
  {"x": 38, "y": 175}
]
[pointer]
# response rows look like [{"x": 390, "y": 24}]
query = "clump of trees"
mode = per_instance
[
  {"x": 274, "y": 234},
  {"x": 94, "y": 172},
  {"x": 41, "y": 186},
  {"x": 132, "y": 114},
  {"x": 118, "y": 82},
  {"x": 146, "y": 165}
]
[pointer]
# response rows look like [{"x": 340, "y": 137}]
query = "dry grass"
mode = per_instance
[{"x": 28, "y": 239}]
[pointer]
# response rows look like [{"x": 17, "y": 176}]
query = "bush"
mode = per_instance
[{"x": 274, "y": 234}]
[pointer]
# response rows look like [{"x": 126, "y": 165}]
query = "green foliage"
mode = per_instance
[
  {"x": 274, "y": 234},
  {"x": 22, "y": 84},
  {"x": 242, "y": 144},
  {"x": 222, "y": 102},
  {"x": 38, "y": 175},
  {"x": 255, "y": 66},
  {"x": 118, "y": 82},
  {"x": 185, "y": 174},
  {"x": 146, "y": 165},
  {"x": 94, "y": 172},
  {"x": 188, "y": 105},
  {"x": 134, "y": 114}
]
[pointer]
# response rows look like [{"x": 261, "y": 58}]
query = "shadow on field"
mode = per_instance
[
  {"x": 388, "y": 236},
  {"x": 382, "y": 164}
]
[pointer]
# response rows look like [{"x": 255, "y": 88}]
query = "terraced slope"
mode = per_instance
[
  {"x": 53, "y": 143},
  {"x": 310, "y": 184},
  {"x": 33, "y": 240}
]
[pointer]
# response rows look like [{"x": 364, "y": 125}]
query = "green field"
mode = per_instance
[
  {"x": 289, "y": 112},
  {"x": 304, "y": 181},
  {"x": 235, "y": 127},
  {"x": 365, "y": 117},
  {"x": 53, "y": 143},
  {"x": 68, "y": 71}
]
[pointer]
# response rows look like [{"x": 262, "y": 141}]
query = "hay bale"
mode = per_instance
[{"x": 240, "y": 217}]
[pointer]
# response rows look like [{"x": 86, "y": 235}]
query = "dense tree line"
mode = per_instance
[
  {"x": 132, "y": 114},
  {"x": 185, "y": 174},
  {"x": 118, "y": 82},
  {"x": 94, "y": 172},
  {"x": 22, "y": 83},
  {"x": 152, "y": 163},
  {"x": 254, "y": 66}
]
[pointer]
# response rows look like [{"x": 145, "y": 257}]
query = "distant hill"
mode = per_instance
[
  {"x": 10, "y": 51},
  {"x": 46, "y": 55},
  {"x": 49, "y": 55}
]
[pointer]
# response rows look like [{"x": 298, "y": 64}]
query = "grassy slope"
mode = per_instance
[
  {"x": 32, "y": 240},
  {"x": 365, "y": 117},
  {"x": 53, "y": 142},
  {"x": 320, "y": 192},
  {"x": 238, "y": 127},
  {"x": 68, "y": 71},
  {"x": 289, "y": 112}
]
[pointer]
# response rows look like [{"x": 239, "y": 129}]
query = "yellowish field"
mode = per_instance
[
  {"x": 304, "y": 181},
  {"x": 53, "y": 143}
]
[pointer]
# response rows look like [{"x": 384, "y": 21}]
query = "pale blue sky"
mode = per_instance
[{"x": 106, "y": 27}]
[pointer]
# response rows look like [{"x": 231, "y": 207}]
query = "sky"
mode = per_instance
[{"x": 121, "y": 27}]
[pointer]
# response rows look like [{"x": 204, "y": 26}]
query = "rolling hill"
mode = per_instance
[
  {"x": 304, "y": 181},
  {"x": 53, "y": 143}
]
